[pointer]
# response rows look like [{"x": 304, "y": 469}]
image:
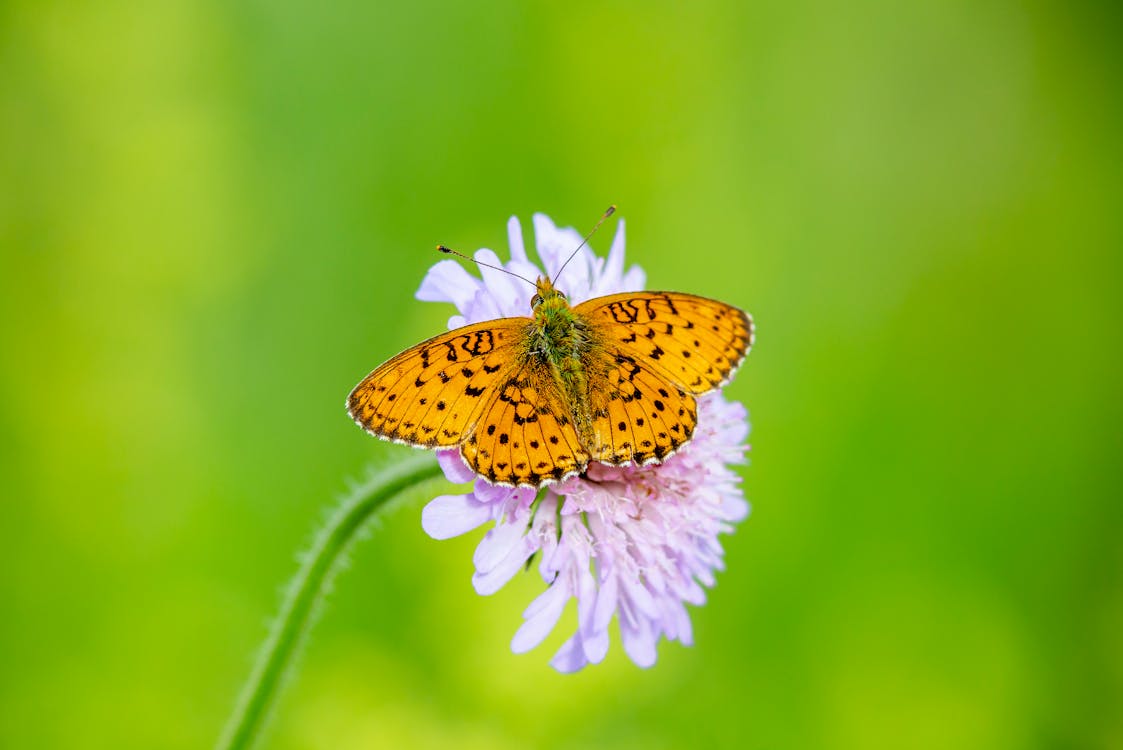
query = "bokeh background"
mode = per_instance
[{"x": 213, "y": 218}]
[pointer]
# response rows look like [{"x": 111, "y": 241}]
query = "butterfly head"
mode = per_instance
[
  {"x": 547, "y": 296},
  {"x": 551, "y": 310}
]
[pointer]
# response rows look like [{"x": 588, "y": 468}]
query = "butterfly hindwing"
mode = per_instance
[
  {"x": 431, "y": 394},
  {"x": 525, "y": 436},
  {"x": 638, "y": 416},
  {"x": 692, "y": 341}
]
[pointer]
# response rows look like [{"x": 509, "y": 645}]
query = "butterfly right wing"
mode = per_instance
[
  {"x": 639, "y": 417},
  {"x": 431, "y": 394},
  {"x": 662, "y": 349},
  {"x": 693, "y": 341}
]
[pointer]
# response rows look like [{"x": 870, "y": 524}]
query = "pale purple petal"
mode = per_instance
[
  {"x": 456, "y": 471},
  {"x": 529, "y": 272},
  {"x": 639, "y": 596},
  {"x": 634, "y": 280},
  {"x": 554, "y": 248},
  {"x": 613, "y": 272},
  {"x": 571, "y": 656},
  {"x": 639, "y": 643},
  {"x": 551, "y": 248},
  {"x": 594, "y": 641},
  {"x": 491, "y": 580},
  {"x": 606, "y": 603},
  {"x": 695, "y": 594},
  {"x": 493, "y": 493},
  {"x": 482, "y": 306},
  {"x": 496, "y": 546},
  {"x": 684, "y": 630},
  {"x": 512, "y": 296},
  {"x": 446, "y": 516},
  {"x": 515, "y": 240},
  {"x": 734, "y": 508},
  {"x": 541, "y": 617},
  {"x": 447, "y": 281}
]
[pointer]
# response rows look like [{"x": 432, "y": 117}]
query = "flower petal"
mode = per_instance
[
  {"x": 489, "y": 581},
  {"x": 571, "y": 656},
  {"x": 447, "y": 281},
  {"x": 613, "y": 272},
  {"x": 606, "y": 603},
  {"x": 493, "y": 493},
  {"x": 634, "y": 280},
  {"x": 446, "y": 516},
  {"x": 684, "y": 629},
  {"x": 511, "y": 295},
  {"x": 497, "y": 545},
  {"x": 515, "y": 240},
  {"x": 641, "y": 598},
  {"x": 639, "y": 643},
  {"x": 554, "y": 245},
  {"x": 482, "y": 306},
  {"x": 452, "y": 464},
  {"x": 594, "y": 640},
  {"x": 541, "y": 617}
]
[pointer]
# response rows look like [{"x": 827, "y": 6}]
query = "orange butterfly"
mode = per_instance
[{"x": 533, "y": 400}]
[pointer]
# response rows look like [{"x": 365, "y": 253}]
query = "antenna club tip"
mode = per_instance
[
  {"x": 611, "y": 210},
  {"x": 443, "y": 249}
]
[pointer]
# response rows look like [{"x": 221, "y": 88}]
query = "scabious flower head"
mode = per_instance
[{"x": 637, "y": 542}]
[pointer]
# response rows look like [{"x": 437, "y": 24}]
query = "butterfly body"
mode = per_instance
[
  {"x": 564, "y": 342},
  {"x": 534, "y": 400}
]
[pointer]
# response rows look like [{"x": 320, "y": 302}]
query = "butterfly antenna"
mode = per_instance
[
  {"x": 450, "y": 251},
  {"x": 611, "y": 210}
]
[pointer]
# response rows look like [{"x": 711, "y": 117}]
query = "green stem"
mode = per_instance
[{"x": 307, "y": 590}]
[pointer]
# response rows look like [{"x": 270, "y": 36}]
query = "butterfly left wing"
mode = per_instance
[
  {"x": 431, "y": 394},
  {"x": 694, "y": 342},
  {"x": 525, "y": 435}
]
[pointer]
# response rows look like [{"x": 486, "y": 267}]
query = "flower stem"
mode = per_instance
[{"x": 307, "y": 590}]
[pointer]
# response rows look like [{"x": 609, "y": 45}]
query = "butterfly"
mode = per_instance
[{"x": 532, "y": 400}]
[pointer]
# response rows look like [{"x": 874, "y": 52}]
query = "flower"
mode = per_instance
[{"x": 637, "y": 542}]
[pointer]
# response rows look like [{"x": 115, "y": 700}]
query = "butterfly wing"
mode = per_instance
[
  {"x": 638, "y": 415},
  {"x": 431, "y": 394},
  {"x": 525, "y": 436},
  {"x": 662, "y": 349},
  {"x": 693, "y": 342}
]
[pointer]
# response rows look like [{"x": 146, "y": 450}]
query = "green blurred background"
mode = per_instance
[{"x": 213, "y": 218}]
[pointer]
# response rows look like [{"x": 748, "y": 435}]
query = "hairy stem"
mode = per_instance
[{"x": 307, "y": 590}]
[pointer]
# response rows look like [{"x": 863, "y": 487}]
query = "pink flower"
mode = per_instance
[{"x": 637, "y": 542}]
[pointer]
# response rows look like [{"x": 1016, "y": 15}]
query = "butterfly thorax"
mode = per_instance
[{"x": 561, "y": 338}]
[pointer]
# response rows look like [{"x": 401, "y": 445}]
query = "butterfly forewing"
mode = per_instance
[
  {"x": 431, "y": 395},
  {"x": 691, "y": 341}
]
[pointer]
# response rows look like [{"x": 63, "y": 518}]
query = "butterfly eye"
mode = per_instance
[{"x": 536, "y": 300}]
